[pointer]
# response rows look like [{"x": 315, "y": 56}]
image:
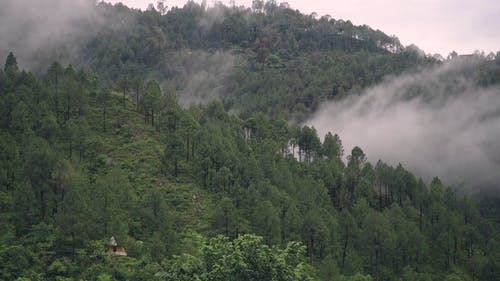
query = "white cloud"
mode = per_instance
[{"x": 436, "y": 122}]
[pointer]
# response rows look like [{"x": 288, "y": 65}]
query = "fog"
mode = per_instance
[
  {"x": 436, "y": 122},
  {"x": 40, "y": 32},
  {"x": 200, "y": 76},
  {"x": 32, "y": 29}
]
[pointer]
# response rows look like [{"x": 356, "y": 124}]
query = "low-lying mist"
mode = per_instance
[
  {"x": 32, "y": 29},
  {"x": 201, "y": 76},
  {"x": 40, "y": 32},
  {"x": 436, "y": 122}
]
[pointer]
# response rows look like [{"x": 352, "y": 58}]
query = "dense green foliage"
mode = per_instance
[
  {"x": 81, "y": 164},
  {"x": 197, "y": 193},
  {"x": 268, "y": 58}
]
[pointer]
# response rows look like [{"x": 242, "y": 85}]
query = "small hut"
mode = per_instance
[{"x": 114, "y": 249}]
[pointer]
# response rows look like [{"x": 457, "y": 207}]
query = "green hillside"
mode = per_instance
[
  {"x": 228, "y": 187},
  {"x": 81, "y": 164},
  {"x": 269, "y": 58}
]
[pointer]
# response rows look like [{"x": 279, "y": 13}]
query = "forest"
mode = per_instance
[{"x": 180, "y": 136}]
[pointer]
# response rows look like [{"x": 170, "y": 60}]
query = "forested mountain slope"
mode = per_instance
[
  {"x": 259, "y": 60},
  {"x": 227, "y": 188},
  {"x": 268, "y": 58},
  {"x": 81, "y": 164}
]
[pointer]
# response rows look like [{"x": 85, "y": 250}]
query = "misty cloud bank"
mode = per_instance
[
  {"x": 34, "y": 29},
  {"x": 436, "y": 122},
  {"x": 40, "y": 32},
  {"x": 201, "y": 76}
]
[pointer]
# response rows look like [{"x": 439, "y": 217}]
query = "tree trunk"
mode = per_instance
[
  {"x": 137, "y": 99},
  {"x": 73, "y": 245},
  {"x": 226, "y": 224},
  {"x": 192, "y": 149},
  {"x": 80, "y": 150},
  {"x": 176, "y": 166},
  {"x": 42, "y": 204},
  {"x": 54, "y": 207},
  {"x": 158, "y": 121},
  {"x": 68, "y": 100},
  {"x": 455, "y": 250},
  {"x": 380, "y": 196},
  {"x": 57, "y": 97},
  {"x": 400, "y": 197},
  {"x": 420, "y": 217},
  {"x": 62, "y": 196},
  {"x": 311, "y": 246},
  {"x": 344, "y": 251},
  {"x": 104, "y": 119},
  {"x": 187, "y": 147},
  {"x": 387, "y": 195},
  {"x": 70, "y": 148}
]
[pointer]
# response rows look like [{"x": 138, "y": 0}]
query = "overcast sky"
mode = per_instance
[{"x": 436, "y": 26}]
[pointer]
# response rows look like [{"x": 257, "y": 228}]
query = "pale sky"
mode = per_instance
[{"x": 435, "y": 26}]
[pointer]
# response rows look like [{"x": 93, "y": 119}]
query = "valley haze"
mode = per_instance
[{"x": 436, "y": 122}]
